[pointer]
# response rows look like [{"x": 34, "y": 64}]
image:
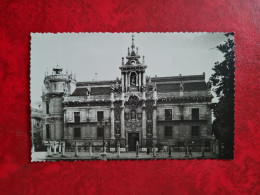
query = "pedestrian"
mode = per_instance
[{"x": 190, "y": 148}]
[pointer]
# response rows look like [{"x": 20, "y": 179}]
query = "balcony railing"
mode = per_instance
[
  {"x": 187, "y": 118},
  {"x": 60, "y": 76},
  {"x": 102, "y": 122}
]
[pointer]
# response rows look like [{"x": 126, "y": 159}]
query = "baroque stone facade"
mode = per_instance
[{"x": 134, "y": 108}]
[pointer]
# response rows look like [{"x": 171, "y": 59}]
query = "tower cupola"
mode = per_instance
[
  {"x": 133, "y": 71},
  {"x": 57, "y": 69}
]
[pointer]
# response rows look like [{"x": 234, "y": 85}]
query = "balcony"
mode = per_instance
[
  {"x": 60, "y": 77},
  {"x": 88, "y": 121},
  {"x": 201, "y": 117}
]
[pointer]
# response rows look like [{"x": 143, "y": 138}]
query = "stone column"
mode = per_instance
[
  {"x": 122, "y": 121},
  {"x": 60, "y": 146},
  {"x": 105, "y": 148},
  {"x": 55, "y": 147},
  {"x": 144, "y": 123},
  {"x": 63, "y": 148},
  {"x": 143, "y": 96},
  {"x": 90, "y": 149},
  {"x": 139, "y": 81},
  {"x": 128, "y": 81},
  {"x": 170, "y": 149},
  {"x": 49, "y": 150},
  {"x": 144, "y": 79},
  {"x": 122, "y": 82},
  {"x": 76, "y": 150},
  {"x": 137, "y": 149},
  {"x": 118, "y": 149},
  {"x": 154, "y": 149},
  {"x": 154, "y": 123},
  {"x": 112, "y": 115}
]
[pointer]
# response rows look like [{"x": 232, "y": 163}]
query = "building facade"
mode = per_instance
[
  {"x": 36, "y": 128},
  {"x": 135, "y": 109}
]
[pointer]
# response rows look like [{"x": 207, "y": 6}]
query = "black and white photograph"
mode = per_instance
[{"x": 131, "y": 96}]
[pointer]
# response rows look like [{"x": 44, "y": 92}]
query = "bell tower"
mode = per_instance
[
  {"x": 56, "y": 86},
  {"x": 133, "y": 71}
]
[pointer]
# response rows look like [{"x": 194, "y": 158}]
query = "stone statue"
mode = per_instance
[
  {"x": 133, "y": 114},
  {"x": 133, "y": 80},
  {"x": 154, "y": 87},
  {"x": 181, "y": 86},
  {"x": 88, "y": 91},
  {"x": 143, "y": 88},
  {"x": 112, "y": 87}
]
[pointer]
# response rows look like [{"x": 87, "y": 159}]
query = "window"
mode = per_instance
[
  {"x": 47, "y": 107},
  {"x": 48, "y": 131},
  {"x": 168, "y": 114},
  {"x": 195, "y": 113},
  {"x": 100, "y": 132},
  {"x": 195, "y": 131},
  {"x": 168, "y": 131},
  {"x": 77, "y": 133},
  {"x": 77, "y": 117},
  {"x": 100, "y": 115}
]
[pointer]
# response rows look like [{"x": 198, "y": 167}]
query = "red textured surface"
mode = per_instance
[{"x": 19, "y": 176}]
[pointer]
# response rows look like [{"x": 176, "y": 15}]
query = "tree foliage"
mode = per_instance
[{"x": 223, "y": 82}]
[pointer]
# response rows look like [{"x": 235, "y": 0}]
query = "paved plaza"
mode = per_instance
[{"x": 42, "y": 156}]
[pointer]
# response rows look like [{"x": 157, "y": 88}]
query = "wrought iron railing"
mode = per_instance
[{"x": 186, "y": 117}]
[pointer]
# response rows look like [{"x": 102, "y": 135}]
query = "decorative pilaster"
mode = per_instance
[
  {"x": 144, "y": 79},
  {"x": 112, "y": 115},
  {"x": 154, "y": 123},
  {"x": 122, "y": 82},
  {"x": 122, "y": 121},
  {"x": 128, "y": 75},
  {"x": 139, "y": 81},
  {"x": 127, "y": 81},
  {"x": 144, "y": 122}
]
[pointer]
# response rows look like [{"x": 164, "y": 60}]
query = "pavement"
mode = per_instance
[{"x": 70, "y": 156}]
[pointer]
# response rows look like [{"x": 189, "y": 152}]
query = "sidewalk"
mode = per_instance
[{"x": 70, "y": 156}]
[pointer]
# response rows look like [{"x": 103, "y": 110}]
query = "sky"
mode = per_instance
[{"x": 84, "y": 54}]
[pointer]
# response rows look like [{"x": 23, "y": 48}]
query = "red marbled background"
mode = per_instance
[{"x": 19, "y": 176}]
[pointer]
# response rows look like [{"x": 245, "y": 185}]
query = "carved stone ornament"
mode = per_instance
[
  {"x": 133, "y": 102},
  {"x": 143, "y": 88}
]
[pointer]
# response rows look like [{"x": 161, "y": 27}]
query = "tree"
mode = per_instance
[{"x": 223, "y": 82}]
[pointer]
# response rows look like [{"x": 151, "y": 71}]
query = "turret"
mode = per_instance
[
  {"x": 58, "y": 83},
  {"x": 56, "y": 86}
]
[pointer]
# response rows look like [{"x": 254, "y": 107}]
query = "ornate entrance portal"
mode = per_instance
[{"x": 132, "y": 139}]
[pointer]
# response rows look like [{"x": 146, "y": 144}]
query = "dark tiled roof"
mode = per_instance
[
  {"x": 94, "y": 91},
  {"x": 79, "y": 92},
  {"x": 171, "y": 87},
  {"x": 178, "y": 78},
  {"x": 100, "y": 91}
]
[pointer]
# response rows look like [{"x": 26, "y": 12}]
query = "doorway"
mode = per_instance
[{"x": 132, "y": 139}]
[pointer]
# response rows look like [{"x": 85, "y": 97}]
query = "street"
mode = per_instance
[{"x": 43, "y": 156}]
